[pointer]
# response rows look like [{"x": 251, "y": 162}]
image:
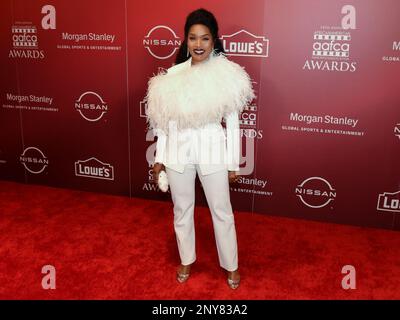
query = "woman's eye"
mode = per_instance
[{"x": 206, "y": 39}]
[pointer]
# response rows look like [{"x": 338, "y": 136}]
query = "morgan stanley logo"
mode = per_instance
[
  {"x": 243, "y": 43},
  {"x": 161, "y": 42},
  {"x": 315, "y": 192},
  {"x": 91, "y": 106},
  {"x": 94, "y": 168},
  {"x": 389, "y": 202},
  {"x": 34, "y": 160}
]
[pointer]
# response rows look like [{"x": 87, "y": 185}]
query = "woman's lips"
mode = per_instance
[{"x": 199, "y": 51}]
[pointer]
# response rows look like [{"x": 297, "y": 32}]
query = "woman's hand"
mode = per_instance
[
  {"x": 156, "y": 171},
  {"x": 233, "y": 177}
]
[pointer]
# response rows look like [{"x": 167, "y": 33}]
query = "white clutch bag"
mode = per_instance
[{"x": 163, "y": 181}]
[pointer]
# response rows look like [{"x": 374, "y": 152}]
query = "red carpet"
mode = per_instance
[{"x": 111, "y": 247}]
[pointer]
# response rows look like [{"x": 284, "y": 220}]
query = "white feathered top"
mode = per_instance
[{"x": 196, "y": 95}]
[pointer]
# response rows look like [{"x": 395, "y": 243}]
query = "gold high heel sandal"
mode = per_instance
[
  {"x": 233, "y": 284},
  {"x": 182, "y": 277}
]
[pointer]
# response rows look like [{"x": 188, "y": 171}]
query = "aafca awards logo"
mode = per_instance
[
  {"x": 248, "y": 122},
  {"x": 389, "y": 202},
  {"x": 244, "y": 43},
  {"x": 161, "y": 42},
  {"x": 94, "y": 168},
  {"x": 315, "y": 192},
  {"x": 34, "y": 160},
  {"x": 151, "y": 185},
  {"x": 331, "y": 45},
  {"x": 25, "y": 43},
  {"x": 91, "y": 106}
]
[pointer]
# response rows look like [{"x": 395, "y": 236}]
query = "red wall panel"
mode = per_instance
[{"x": 320, "y": 141}]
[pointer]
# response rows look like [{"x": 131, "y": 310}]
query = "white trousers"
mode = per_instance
[{"x": 216, "y": 189}]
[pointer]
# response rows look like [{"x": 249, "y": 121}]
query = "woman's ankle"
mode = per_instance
[
  {"x": 234, "y": 274},
  {"x": 184, "y": 268}
]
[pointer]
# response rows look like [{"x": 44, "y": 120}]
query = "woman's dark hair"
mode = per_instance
[{"x": 206, "y": 18}]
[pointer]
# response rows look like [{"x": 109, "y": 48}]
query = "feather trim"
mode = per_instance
[{"x": 198, "y": 95}]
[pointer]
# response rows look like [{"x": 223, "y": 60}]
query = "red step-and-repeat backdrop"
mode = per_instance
[{"x": 321, "y": 141}]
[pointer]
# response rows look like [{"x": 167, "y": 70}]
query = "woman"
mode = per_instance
[{"x": 185, "y": 108}]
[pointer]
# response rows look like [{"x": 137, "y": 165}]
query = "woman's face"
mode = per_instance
[{"x": 200, "y": 43}]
